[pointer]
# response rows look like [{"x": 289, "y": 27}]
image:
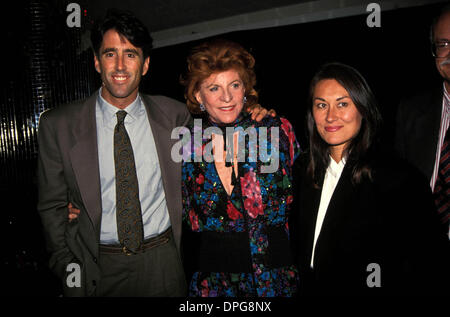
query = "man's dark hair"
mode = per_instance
[
  {"x": 445, "y": 9},
  {"x": 127, "y": 25}
]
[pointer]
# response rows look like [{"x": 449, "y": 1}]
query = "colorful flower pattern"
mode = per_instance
[{"x": 258, "y": 201}]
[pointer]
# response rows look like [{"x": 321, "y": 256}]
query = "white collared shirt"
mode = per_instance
[
  {"x": 330, "y": 181},
  {"x": 445, "y": 121},
  {"x": 155, "y": 215}
]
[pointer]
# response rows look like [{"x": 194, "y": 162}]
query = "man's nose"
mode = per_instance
[{"x": 120, "y": 63}]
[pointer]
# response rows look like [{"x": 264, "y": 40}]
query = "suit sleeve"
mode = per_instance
[
  {"x": 424, "y": 247},
  {"x": 431, "y": 247},
  {"x": 186, "y": 118},
  {"x": 53, "y": 200}
]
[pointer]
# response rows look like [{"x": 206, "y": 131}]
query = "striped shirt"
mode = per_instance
[{"x": 445, "y": 120}]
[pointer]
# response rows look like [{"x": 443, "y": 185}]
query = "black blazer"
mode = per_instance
[
  {"x": 417, "y": 129},
  {"x": 390, "y": 222}
]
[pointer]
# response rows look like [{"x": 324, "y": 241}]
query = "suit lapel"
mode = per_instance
[
  {"x": 170, "y": 170},
  {"x": 335, "y": 216},
  {"x": 311, "y": 202},
  {"x": 84, "y": 160},
  {"x": 429, "y": 119},
  {"x": 436, "y": 104}
]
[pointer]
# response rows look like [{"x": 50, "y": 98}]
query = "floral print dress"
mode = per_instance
[{"x": 258, "y": 203}]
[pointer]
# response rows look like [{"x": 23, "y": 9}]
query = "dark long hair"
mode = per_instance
[{"x": 358, "y": 152}]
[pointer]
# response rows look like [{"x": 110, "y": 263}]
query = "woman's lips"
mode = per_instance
[
  {"x": 227, "y": 109},
  {"x": 332, "y": 128}
]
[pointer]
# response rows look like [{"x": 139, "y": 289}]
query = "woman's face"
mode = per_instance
[
  {"x": 337, "y": 119},
  {"x": 222, "y": 94}
]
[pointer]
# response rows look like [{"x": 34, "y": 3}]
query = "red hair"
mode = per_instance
[{"x": 215, "y": 57}]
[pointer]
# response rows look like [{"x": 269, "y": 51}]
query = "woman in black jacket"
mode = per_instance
[{"x": 364, "y": 222}]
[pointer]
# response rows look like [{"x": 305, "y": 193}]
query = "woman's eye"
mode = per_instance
[
  {"x": 343, "y": 104},
  {"x": 213, "y": 89},
  {"x": 320, "y": 105},
  {"x": 236, "y": 85}
]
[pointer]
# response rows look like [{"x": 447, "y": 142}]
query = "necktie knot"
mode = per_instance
[{"x": 121, "y": 114}]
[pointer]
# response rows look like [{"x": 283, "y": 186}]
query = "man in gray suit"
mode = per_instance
[{"x": 78, "y": 164}]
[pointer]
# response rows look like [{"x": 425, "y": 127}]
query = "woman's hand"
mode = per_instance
[
  {"x": 258, "y": 112},
  {"x": 73, "y": 212}
]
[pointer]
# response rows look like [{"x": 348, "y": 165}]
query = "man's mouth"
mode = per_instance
[
  {"x": 119, "y": 78},
  {"x": 446, "y": 62}
]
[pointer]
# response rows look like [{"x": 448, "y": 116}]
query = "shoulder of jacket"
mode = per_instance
[
  {"x": 68, "y": 110},
  {"x": 164, "y": 101}
]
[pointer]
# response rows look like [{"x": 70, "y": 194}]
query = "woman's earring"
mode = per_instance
[
  {"x": 245, "y": 99},
  {"x": 202, "y": 107}
]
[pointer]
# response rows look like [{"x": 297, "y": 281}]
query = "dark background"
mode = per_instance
[{"x": 48, "y": 64}]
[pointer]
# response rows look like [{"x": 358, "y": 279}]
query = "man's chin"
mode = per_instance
[{"x": 120, "y": 93}]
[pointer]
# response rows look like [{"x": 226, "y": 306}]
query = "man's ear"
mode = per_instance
[
  {"x": 97, "y": 64},
  {"x": 146, "y": 65}
]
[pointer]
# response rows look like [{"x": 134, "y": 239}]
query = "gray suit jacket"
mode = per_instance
[{"x": 68, "y": 171}]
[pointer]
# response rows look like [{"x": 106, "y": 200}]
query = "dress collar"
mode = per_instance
[{"x": 335, "y": 169}]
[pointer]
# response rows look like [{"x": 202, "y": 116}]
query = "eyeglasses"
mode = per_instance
[{"x": 440, "y": 49}]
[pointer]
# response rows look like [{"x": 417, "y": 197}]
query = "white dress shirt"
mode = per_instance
[
  {"x": 331, "y": 179},
  {"x": 445, "y": 121},
  {"x": 155, "y": 215}
]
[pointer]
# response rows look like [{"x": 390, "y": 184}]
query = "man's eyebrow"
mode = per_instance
[
  {"x": 109, "y": 49},
  {"x": 131, "y": 50},
  {"x": 127, "y": 50}
]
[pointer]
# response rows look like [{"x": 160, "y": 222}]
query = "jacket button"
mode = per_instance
[
  {"x": 95, "y": 260},
  {"x": 94, "y": 282}
]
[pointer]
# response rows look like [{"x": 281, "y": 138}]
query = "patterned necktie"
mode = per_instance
[
  {"x": 441, "y": 189},
  {"x": 128, "y": 207}
]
